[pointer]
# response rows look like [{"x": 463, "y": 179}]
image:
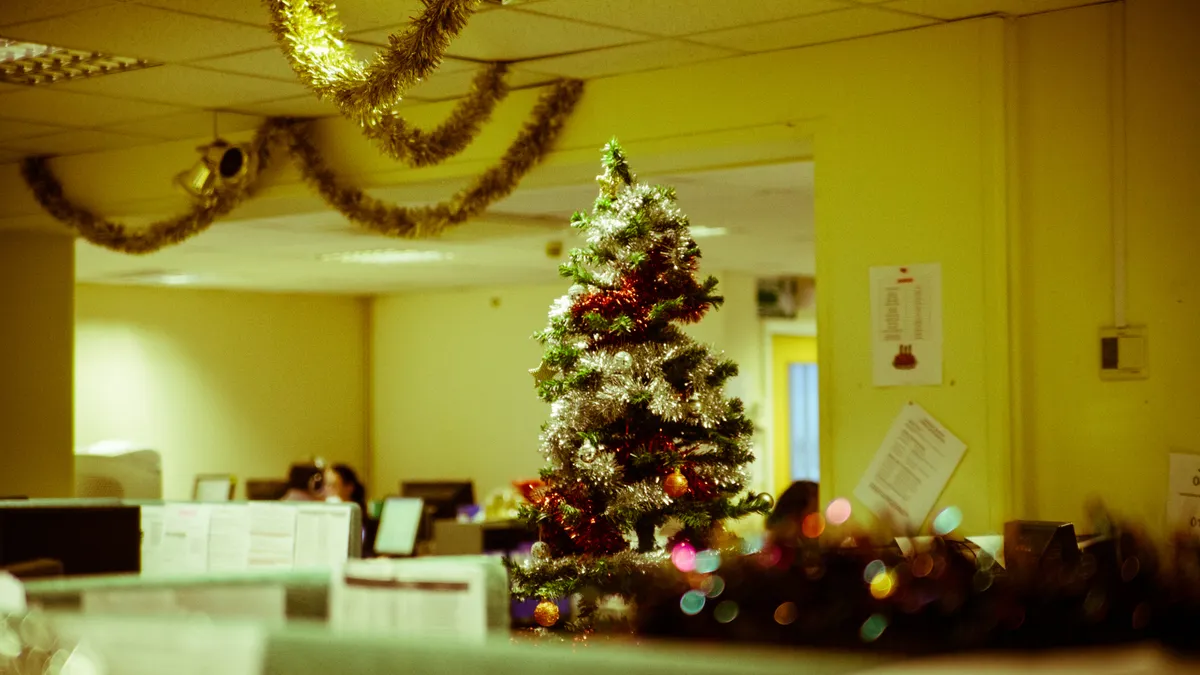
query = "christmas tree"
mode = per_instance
[{"x": 640, "y": 434}]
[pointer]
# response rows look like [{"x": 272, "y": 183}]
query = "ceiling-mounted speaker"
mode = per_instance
[
  {"x": 220, "y": 163},
  {"x": 232, "y": 162}
]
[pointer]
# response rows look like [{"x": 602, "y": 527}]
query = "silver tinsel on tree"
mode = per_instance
[{"x": 640, "y": 433}]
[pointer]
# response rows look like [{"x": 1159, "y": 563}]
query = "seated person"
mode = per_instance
[
  {"x": 305, "y": 483},
  {"x": 341, "y": 484},
  {"x": 785, "y": 524}
]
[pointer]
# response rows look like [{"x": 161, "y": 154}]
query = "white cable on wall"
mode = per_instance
[{"x": 1117, "y": 112}]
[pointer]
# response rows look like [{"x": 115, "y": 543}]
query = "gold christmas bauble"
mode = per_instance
[
  {"x": 546, "y": 614},
  {"x": 675, "y": 485}
]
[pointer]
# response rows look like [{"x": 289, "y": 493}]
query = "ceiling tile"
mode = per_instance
[
  {"x": 355, "y": 14},
  {"x": 77, "y": 141},
  {"x": 681, "y": 17},
  {"x": 444, "y": 86},
  {"x": 272, "y": 63},
  {"x": 14, "y": 129},
  {"x": 69, "y": 109},
  {"x": 513, "y": 35},
  {"x": 627, "y": 59},
  {"x": 301, "y": 106},
  {"x": 961, "y": 9},
  {"x": 127, "y": 29},
  {"x": 181, "y": 85},
  {"x": 18, "y": 11},
  {"x": 809, "y": 30},
  {"x": 189, "y": 125}
]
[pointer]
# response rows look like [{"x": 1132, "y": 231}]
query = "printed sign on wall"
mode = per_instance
[{"x": 906, "y": 325}]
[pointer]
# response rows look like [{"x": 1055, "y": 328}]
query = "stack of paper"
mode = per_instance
[{"x": 447, "y": 596}]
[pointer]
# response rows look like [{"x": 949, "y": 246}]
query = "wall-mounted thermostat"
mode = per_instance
[{"x": 1123, "y": 353}]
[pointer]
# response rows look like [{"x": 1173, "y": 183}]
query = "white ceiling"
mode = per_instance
[
  {"x": 767, "y": 211},
  {"x": 219, "y": 57}
]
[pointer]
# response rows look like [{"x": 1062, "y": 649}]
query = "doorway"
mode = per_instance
[{"x": 794, "y": 398}]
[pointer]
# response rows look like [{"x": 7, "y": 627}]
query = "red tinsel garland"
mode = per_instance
[
  {"x": 654, "y": 280},
  {"x": 588, "y": 533}
]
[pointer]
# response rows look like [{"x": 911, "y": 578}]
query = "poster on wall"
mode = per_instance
[
  {"x": 906, "y": 325},
  {"x": 1183, "y": 504},
  {"x": 911, "y": 469}
]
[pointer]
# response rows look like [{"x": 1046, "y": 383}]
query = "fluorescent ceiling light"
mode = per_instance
[
  {"x": 29, "y": 63},
  {"x": 387, "y": 257},
  {"x": 699, "y": 231},
  {"x": 176, "y": 279}
]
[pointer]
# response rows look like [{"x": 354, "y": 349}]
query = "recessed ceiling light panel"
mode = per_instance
[
  {"x": 387, "y": 256},
  {"x": 699, "y": 231},
  {"x": 29, "y": 63}
]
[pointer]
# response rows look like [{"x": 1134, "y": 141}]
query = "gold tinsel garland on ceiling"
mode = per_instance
[
  {"x": 313, "y": 40},
  {"x": 528, "y": 149},
  {"x": 158, "y": 235},
  {"x": 417, "y": 148}
]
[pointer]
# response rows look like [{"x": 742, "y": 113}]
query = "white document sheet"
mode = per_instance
[
  {"x": 185, "y": 538},
  {"x": 906, "y": 325},
  {"x": 229, "y": 538},
  {"x": 911, "y": 469},
  {"x": 272, "y": 536},
  {"x": 322, "y": 536},
  {"x": 152, "y": 539},
  {"x": 451, "y": 597},
  {"x": 1183, "y": 502}
]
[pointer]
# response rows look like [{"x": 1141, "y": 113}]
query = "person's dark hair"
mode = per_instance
[
  {"x": 358, "y": 494},
  {"x": 800, "y": 499},
  {"x": 305, "y": 477}
]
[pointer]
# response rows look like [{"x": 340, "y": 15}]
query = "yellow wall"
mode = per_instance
[
  {"x": 221, "y": 382},
  {"x": 36, "y": 295},
  {"x": 1081, "y": 436},
  {"x": 785, "y": 350},
  {"x": 452, "y": 395}
]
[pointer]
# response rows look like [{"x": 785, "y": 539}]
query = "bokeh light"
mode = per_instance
[
  {"x": 838, "y": 511},
  {"x": 947, "y": 521},
  {"x": 770, "y": 556},
  {"x": 684, "y": 557},
  {"x": 753, "y": 543},
  {"x": 981, "y": 581},
  {"x": 785, "y": 614},
  {"x": 873, "y": 627},
  {"x": 922, "y": 565},
  {"x": 1130, "y": 569},
  {"x": 874, "y": 569},
  {"x": 692, "y": 603},
  {"x": 1141, "y": 616},
  {"x": 883, "y": 585},
  {"x": 813, "y": 525},
  {"x": 708, "y": 561},
  {"x": 713, "y": 586},
  {"x": 726, "y": 611}
]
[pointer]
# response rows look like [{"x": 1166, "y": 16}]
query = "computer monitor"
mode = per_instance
[
  {"x": 214, "y": 488},
  {"x": 266, "y": 490},
  {"x": 442, "y": 498},
  {"x": 398, "y": 526},
  {"x": 84, "y": 539}
]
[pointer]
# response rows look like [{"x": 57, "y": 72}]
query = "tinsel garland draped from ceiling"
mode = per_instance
[
  {"x": 531, "y": 145},
  {"x": 312, "y": 38}
]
